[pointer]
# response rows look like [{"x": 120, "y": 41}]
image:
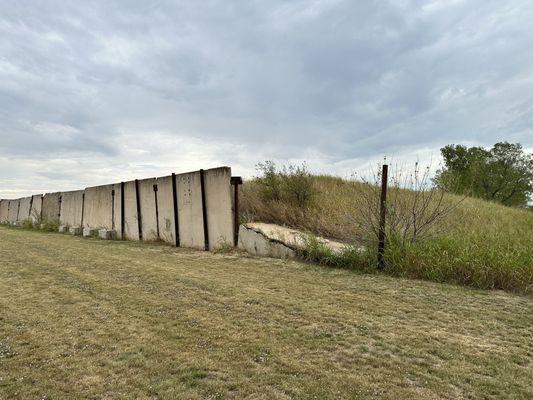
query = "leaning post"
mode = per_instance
[
  {"x": 382, "y": 217},
  {"x": 235, "y": 182}
]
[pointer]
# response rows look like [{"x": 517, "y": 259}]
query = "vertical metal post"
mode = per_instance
[
  {"x": 113, "y": 208},
  {"x": 235, "y": 182},
  {"x": 31, "y": 205},
  {"x": 122, "y": 222},
  {"x": 139, "y": 216},
  {"x": 204, "y": 210},
  {"x": 382, "y": 217},
  {"x": 82, "y": 209},
  {"x": 156, "y": 210},
  {"x": 175, "y": 204}
]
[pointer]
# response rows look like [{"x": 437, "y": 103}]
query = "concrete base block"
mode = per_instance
[
  {"x": 256, "y": 243},
  {"x": 107, "y": 234},
  {"x": 90, "y": 232},
  {"x": 276, "y": 241},
  {"x": 63, "y": 229},
  {"x": 75, "y": 230}
]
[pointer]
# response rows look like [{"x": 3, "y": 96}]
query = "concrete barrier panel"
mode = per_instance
[
  {"x": 191, "y": 226},
  {"x": 24, "y": 209},
  {"x": 165, "y": 205},
  {"x": 36, "y": 205},
  {"x": 117, "y": 210},
  {"x": 148, "y": 209},
  {"x": 71, "y": 208},
  {"x": 13, "y": 210},
  {"x": 4, "y": 211},
  {"x": 131, "y": 227},
  {"x": 219, "y": 203},
  {"x": 51, "y": 207},
  {"x": 99, "y": 208}
]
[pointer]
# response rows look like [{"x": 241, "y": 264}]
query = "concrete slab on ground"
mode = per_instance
[{"x": 277, "y": 241}]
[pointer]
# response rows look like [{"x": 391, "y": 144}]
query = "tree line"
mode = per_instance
[{"x": 503, "y": 174}]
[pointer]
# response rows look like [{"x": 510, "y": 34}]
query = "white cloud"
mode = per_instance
[{"x": 98, "y": 91}]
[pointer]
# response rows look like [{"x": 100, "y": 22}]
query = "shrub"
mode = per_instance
[
  {"x": 292, "y": 184},
  {"x": 50, "y": 226}
]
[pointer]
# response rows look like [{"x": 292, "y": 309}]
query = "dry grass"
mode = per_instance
[
  {"x": 83, "y": 318},
  {"x": 480, "y": 244}
]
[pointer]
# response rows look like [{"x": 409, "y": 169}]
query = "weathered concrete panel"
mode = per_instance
[
  {"x": 71, "y": 208},
  {"x": 257, "y": 243},
  {"x": 13, "y": 210},
  {"x": 98, "y": 211},
  {"x": 165, "y": 202},
  {"x": 131, "y": 228},
  {"x": 24, "y": 209},
  {"x": 36, "y": 205},
  {"x": 51, "y": 206},
  {"x": 190, "y": 216},
  {"x": 148, "y": 209},
  {"x": 4, "y": 211},
  {"x": 219, "y": 206}
]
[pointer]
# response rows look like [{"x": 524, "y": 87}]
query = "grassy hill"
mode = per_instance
[
  {"x": 84, "y": 318},
  {"x": 480, "y": 244}
]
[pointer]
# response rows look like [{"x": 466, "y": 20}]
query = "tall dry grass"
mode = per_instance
[{"x": 479, "y": 244}]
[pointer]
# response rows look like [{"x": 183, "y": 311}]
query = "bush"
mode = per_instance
[
  {"x": 293, "y": 184},
  {"x": 50, "y": 226}
]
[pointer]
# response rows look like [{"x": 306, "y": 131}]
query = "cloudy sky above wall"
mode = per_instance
[{"x": 93, "y": 92}]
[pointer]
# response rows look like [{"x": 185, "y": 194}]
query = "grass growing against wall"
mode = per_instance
[{"x": 480, "y": 244}]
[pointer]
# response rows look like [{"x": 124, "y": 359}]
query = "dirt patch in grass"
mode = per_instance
[{"x": 93, "y": 319}]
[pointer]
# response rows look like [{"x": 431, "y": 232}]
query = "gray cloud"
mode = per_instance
[{"x": 92, "y": 91}]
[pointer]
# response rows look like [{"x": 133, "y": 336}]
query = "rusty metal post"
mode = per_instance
[
  {"x": 382, "y": 217},
  {"x": 235, "y": 182}
]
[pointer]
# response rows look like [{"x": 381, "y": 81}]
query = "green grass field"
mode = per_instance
[{"x": 83, "y": 318}]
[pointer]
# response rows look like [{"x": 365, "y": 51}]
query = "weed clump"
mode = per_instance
[{"x": 292, "y": 184}]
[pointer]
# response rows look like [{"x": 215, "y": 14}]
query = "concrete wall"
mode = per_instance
[
  {"x": 103, "y": 210},
  {"x": 191, "y": 228},
  {"x": 13, "y": 210},
  {"x": 131, "y": 230},
  {"x": 24, "y": 209},
  {"x": 71, "y": 208},
  {"x": 219, "y": 201},
  {"x": 98, "y": 211},
  {"x": 36, "y": 205},
  {"x": 148, "y": 209},
  {"x": 51, "y": 207},
  {"x": 165, "y": 205},
  {"x": 4, "y": 211}
]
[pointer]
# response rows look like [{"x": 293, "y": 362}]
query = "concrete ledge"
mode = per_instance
[
  {"x": 75, "y": 230},
  {"x": 257, "y": 244},
  {"x": 63, "y": 229},
  {"x": 90, "y": 232},
  {"x": 107, "y": 234},
  {"x": 276, "y": 241}
]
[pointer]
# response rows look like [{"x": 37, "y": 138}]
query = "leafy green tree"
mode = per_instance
[{"x": 503, "y": 174}]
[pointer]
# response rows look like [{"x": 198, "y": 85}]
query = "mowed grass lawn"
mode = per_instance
[{"x": 119, "y": 320}]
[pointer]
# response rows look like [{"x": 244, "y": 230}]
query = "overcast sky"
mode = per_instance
[{"x": 94, "y": 92}]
